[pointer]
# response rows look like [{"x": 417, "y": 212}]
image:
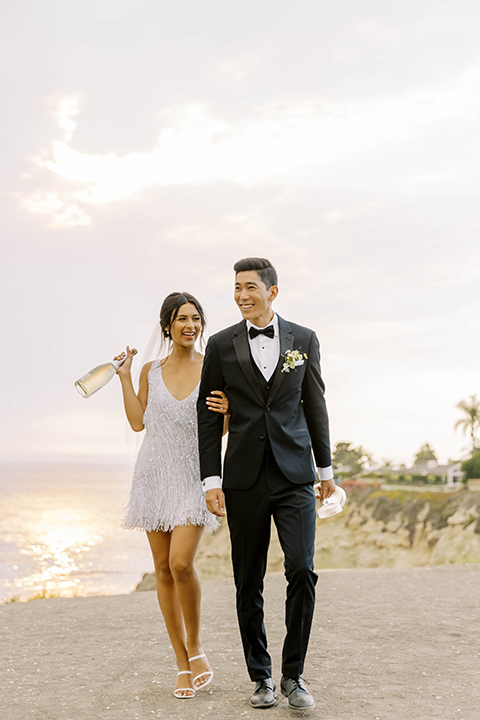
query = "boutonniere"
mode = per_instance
[{"x": 293, "y": 358}]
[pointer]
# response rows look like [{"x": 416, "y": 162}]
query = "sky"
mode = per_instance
[{"x": 148, "y": 145}]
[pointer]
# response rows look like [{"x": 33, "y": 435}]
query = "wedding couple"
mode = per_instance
[{"x": 266, "y": 372}]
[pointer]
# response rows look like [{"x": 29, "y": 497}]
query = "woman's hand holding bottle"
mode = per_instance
[
  {"x": 126, "y": 366},
  {"x": 100, "y": 375}
]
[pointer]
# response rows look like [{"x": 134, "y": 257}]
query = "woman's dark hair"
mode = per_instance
[
  {"x": 170, "y": 307},
  {"x": 262, "y": 266}
]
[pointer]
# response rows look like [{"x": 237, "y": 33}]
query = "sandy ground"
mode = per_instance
[{"x": 387, "y": 644}]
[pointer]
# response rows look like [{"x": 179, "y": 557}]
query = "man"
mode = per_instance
[{"x": 278, "y": 415}]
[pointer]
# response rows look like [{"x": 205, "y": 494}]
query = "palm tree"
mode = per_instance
[{"x": 471, "y": 422}]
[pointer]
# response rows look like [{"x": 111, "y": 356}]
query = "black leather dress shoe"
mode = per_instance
[
  {"x": 297, "y": 694},
  {"x": 265, "y": 694}
]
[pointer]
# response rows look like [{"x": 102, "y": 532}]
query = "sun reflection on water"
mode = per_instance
[
  {"x": 63, "y": 540},
  {"x": 60, "y": 532}
]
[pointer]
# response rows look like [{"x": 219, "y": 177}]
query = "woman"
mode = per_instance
[{"x": 166, "y": 498}]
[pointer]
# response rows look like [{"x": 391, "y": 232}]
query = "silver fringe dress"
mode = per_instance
[{"x": 166, "y": 489}]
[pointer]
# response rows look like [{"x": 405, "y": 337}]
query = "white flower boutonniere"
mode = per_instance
[{"x": 293, "y": 358}]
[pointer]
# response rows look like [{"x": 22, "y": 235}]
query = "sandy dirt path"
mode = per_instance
[{"x": 387, "y": 644}]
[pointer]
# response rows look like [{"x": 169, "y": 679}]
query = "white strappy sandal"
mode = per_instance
[
  {"x": 190, "y": 690},
  {"x": 208, "y": 673}
]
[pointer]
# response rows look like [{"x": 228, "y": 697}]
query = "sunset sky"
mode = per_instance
[{"x": 148, "y": 145}]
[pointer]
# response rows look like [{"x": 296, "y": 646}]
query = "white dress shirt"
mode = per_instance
[{"x": 265, "y": 352}]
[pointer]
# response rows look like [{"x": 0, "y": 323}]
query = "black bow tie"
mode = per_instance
[{"x": 268, "y": 331}]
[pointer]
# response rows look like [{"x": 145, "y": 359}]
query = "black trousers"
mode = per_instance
[{"x": 249, "y": 515}]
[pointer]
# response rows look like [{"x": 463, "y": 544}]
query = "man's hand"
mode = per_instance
[
  {"x": 324, "y": 489},
  {"x": 215, "y": 502}
]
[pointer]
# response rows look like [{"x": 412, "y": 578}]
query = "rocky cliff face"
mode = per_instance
[
  {"x": 401, "y": 529},
  {"x": 377, "y": 528}
]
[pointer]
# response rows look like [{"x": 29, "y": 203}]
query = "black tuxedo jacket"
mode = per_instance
[{"x": 292, "y": 415}]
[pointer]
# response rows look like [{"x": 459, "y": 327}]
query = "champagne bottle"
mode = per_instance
[{"x": 98, "y": 377}]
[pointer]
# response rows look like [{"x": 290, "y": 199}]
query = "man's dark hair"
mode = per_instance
[{"x": 262, "y": 266}]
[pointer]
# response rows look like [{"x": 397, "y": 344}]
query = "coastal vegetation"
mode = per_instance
[
  {"x": 471, "y": 467},
  {"x": 470, "y": 423},
  {"x": 43, "y": 594},
  {"x": 354, "y": 461},
  {"x": 425, "y": 454},
  {"x": 348, "y": 459}
]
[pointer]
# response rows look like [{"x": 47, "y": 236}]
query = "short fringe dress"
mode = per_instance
[{"x": 166, "y": 489}]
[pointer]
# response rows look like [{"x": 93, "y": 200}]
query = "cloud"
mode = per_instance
[
  {"x": 428, "y": 178},
  {"x": 335, "y": 216},
  {"x": 238, "y": 68},
  {"x": 373, "y": 32},
  {"x": 66, "y": 110},
  {"x": 62, "y": 213},
  {"x": 292, "y": 141}
]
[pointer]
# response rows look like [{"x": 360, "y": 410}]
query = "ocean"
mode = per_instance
[{"x": 60, "y": 532}]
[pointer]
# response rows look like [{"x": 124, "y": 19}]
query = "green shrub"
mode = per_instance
[{"x": 472, "y": 467}]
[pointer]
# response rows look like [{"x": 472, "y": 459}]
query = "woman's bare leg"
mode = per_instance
[
  {"x": 183, "y": 547},
  {"x": 160, "y": 544}
]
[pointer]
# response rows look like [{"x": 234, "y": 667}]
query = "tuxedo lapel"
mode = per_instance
[
  {"x": 242, "y": 351},
  {"x": 286, "y": 343}
]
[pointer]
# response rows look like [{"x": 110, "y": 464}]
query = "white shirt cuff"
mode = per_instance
[
  {"x": 325, "y": 473},
  {"x": 212, "y": 482}
]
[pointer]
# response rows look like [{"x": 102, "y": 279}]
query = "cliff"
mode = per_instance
[
  {"x": 401, "y": 528},
  {"x": 377, "y": 528}
]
